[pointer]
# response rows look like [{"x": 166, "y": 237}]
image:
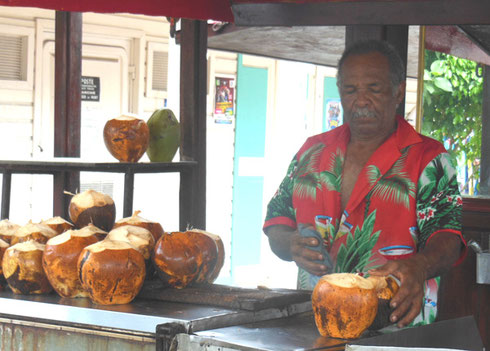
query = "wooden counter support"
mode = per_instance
[{"x": 67, "y": 103}]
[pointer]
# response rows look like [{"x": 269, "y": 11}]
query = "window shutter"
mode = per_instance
[
  {"x": 11, "y": 57},
  {"x": 160, "y": 70}
]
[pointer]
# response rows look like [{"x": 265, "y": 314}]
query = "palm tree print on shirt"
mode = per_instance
[{"x": 395, "y": 185}]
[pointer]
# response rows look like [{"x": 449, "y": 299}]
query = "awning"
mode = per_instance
[{"x": 219, "y": 10}]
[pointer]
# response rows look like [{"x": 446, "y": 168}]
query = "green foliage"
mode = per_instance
[{"x": 453, "y": 105}]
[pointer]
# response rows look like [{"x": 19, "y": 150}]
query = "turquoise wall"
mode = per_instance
[{"x": 251, "y": 101}]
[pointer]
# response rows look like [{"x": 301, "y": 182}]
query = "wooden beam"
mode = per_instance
[
  {"x": 395, "y": 35},
  {"x": 67, "y": 107},
  {"x": 485, "y": 135},
  {"x": 193, "y": 77},
  {"x": 380, "y": 12}
]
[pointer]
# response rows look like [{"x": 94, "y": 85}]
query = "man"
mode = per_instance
[{"x": 382, "y": 198}]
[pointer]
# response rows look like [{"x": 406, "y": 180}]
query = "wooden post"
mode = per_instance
[
  {"x": 485, "y": 135},
  {"x": 193, "y": 78},
  {"x": 395, "y": 35},
  {"x": 67, "y": 106}
]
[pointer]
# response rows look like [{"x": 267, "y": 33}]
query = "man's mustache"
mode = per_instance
[{"x": 363, "y": 112}]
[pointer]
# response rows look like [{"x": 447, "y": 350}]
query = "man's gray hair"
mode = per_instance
[{"x": 397, "y": 68}]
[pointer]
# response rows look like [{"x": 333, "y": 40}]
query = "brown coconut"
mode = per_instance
[
  {"x": 58, "y": 224},
  {"x": 154, "y": 227},
  {"x": 185, "y": 258},
  {"x": 386, "y": 288},
  {"x": 92, "y": 229},
  {"x": 23, "y": 269},
  {"x": 140, "y": 238},
  {"x": 126, "y": 138},
  {"x": 7, "y": 229},
  {"x": 112, "y": 272},
  {"x": 3, "y": 247},
  {"x": 60, "y": 260},
  {"x": 93, "y": 207},
  {"x": 344, "y": 305},
  {"x": 212, "y": 275},
  {"x": 33, "y": 231}
]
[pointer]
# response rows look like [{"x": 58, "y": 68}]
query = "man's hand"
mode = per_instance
[
  {"x": 439, "y": 254},
  {"x": 289, "y": 245},
  {"x": 407, "y": 303}
]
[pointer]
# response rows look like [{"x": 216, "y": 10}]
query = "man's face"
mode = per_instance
[{"x": 367, "y": 96}]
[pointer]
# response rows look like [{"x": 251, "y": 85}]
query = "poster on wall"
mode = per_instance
[
  {"x": 333, "y": 114},
  {"x": 224, "y": 100}
]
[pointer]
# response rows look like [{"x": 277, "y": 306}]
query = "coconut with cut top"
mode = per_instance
[
  {"x": 93, "y": 207},
  {"x": 33, "y": 231},
  {"x": 58, "y": 224},
  {"x": 60, "y": 260},
  {"x": 112, "y": 272},
  {"x": 23, "y": 269},
  {"x": 7, "y": 229},
  {"x": 126, "y": 137},
  {"x": 154, "y": 227}
]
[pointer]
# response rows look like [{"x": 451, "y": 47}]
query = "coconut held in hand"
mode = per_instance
[
  {"x": 188, "y": 258},
  {"x": 60, "y": 260},
  {"x": 92, "y": 207},
  {"x": 126, "y": 138},
  {"x": 112, "y": 272}
]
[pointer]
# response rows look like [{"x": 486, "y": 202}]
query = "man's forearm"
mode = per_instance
[
  {"x": 280, "y": 240},
  {"x": 439, "y": 254}
]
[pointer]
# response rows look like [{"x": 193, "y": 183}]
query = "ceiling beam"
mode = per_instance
[{"x": 381, "y": 12}]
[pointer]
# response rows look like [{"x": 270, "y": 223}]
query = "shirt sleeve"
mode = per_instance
[
  {"x": 439, "y": 201},
  {"x": 280, "y": 209}
]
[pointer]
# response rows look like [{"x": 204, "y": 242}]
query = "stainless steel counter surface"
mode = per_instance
[
  {"x": 300, "y": 333},
  {"x": 141, "y": 315}
]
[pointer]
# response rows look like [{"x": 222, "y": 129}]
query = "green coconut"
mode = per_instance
[{"x": 164, "y": 136}]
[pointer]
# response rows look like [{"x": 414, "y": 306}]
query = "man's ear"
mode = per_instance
[{"x": 400, "y": 92}]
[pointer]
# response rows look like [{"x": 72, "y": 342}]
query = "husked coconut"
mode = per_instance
[
  {"x": 3, "y": 246},
  {"x": 92, "y": 229},
  {"x": 344, "y": 305},
  {"x": 33, "y": 231},
  {"x": 126, "y": 138},
  {"x": 140, "y": 238},
  {"x": 112, "y": 272},
  {"x": 186, "y": 258},
  {"x": 58, "y": 224},
  {"x": 212, "y": 275},
  {"x": 154, "y": 227},
  {"x": 23, "y": 269},
  {"x": 386, "y": 288},
  {"x": 93, "y": 207},
  {"x": 7, "y": 229},
  {"x": 60, "y": 260}
]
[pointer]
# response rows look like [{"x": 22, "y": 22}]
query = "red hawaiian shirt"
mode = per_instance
[{"x": 406, "y": 193}]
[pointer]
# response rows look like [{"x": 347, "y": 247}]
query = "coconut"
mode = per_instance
[
  {"x": 186, "y": 258},
  {"x": 112, "y": 272},
  {"x": 60, "y": 260},
  {"x": 3, "y": 247},
  {"x": 23, "y": 270},
  {"x": 386, "y": 288},
  {"x": 154, "y": 227},
  {"x": 33, "y": 231},
  {"x": 92, "y": 229},
  {"x": 126, "y": 138},
  {"x": 7, "y": 229},
  {"x": 93, "y": 207},
  {"x": 58, "y": 224},
  {"x": 211, "y": 277},
  {"x": 344, "y": 305}
]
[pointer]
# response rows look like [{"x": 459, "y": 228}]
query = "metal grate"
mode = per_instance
[
  {"x": 160, "y": 70},
  {"x": 13, "y": 48}
]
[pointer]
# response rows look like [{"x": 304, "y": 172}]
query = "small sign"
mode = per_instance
[
  {"x": 224, "y": 107},
  {"x": 90, "y": 88}
]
